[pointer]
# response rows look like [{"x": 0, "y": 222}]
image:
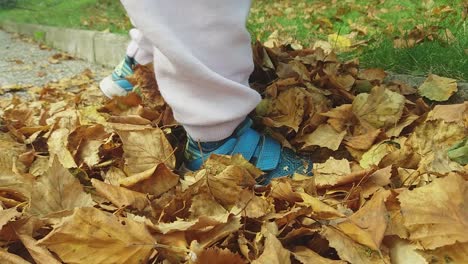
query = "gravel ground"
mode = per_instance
[{"x": 24, "y": 63}]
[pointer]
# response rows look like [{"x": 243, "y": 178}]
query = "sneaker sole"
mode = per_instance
[{"x": 110, "y": 89}]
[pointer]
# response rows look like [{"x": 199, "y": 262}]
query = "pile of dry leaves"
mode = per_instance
[{"x": 83, "y": 180}]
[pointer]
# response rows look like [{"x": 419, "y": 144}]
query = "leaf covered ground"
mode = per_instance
[{"x": 87, "y": 180}]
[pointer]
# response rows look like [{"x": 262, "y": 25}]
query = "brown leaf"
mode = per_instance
[
  {"x": 274, "y": 252},
  {"x": 121, "y": 197},
  {"x": 57, "y": 190},
  {"x": 216, "y": 255},
  {"x": 450, "y": 113},
  {"x": 146, "y": 148},
  {"x": 436, "y": 214},
  {"x": 103, "y": 238},
  {"x": 372, "y": 75},
  {"x": 367, "y": 226},
  {"x": 349, "y": 250},
  {"x": 306, "y": 256},
  {"x": 57, "y": 143},
  {"x": 364, "y": 141},
  {"x": 203, "y": 204},
  {"x": 287, "y": 109},
  {"x": 320, "y": 210},
  {"x": 9, "y": 258},
  {"x": 39, "y": 253},
  {"x": 155, "y": 181},
  {"x": 6, "y": 215},
  {"x": 341, "y": 117}
]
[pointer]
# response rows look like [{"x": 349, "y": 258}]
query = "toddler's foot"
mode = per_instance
[
  {"x": 116, "y": 84},
  {"x": 261, "y": 150}
]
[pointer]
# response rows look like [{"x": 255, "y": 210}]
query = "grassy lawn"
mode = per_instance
[{"x": 442, "y": 37}]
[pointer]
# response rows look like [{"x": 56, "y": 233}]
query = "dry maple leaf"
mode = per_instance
[
  {"x": 146, "y": 148},
  {"x": 102, "y": 238},
  {"x": 57, "y": 190},
  {"x": 436, "y": 214}
]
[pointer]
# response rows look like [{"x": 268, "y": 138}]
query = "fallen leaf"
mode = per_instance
[
  {"x": 367, "y": 226},
  {"x": 57, "y": 190},
  {"x": 287, "y": 109},
  {"x": 145, "y": 148},
  {"x": 349, "y": 250},
  {"x": 120, "y": 196},
  {"x": 435, "y": 214},
  {"x": 306, "y": 256},
  {"x": 438, "y": 88},
  {"x": 274, "y": 252},
  {"x": 324, "y": 136},
  {"x": 216, "y": 255},
  {"x": 9, "y": 258},
  {"x": 155, "y": 181},
  {"x": 381, "y": 108},
  {"x": 57, "y": 143},
  {"x": 103, "y": 238}
]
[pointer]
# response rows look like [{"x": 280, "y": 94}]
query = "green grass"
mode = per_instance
[
  {"x": 378, "y": 22},
  {"x": 85, "y": 14}
]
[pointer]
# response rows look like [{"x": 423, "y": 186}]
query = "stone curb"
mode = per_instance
[{"x": 106, "y": 49}]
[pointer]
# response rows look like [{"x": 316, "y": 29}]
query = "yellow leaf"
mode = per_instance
[
  {"x": 381, "y": 108},
  {"x": 338, "y": 42},
  {"x": 324, "y": 136},
  {"x": 438, "y": 88},
  {"x": 102, "y": 238}
]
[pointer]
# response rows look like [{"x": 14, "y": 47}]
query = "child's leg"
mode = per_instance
[
  {"x": 204, "y": 60},
  {"x": 140, "y": 48}
]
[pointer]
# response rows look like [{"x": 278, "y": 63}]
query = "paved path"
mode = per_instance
[{"x": 24, "y": 63}]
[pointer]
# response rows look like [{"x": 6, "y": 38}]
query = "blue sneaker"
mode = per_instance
[
  {"x": 117, "y": 84},
  {"x": 261, "y": 150}
]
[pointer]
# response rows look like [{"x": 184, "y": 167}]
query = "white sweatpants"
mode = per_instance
[{"x": 203, "y": 60}]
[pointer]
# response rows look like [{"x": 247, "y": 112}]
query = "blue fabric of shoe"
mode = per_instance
[
  {"x": 122, "y": 71},
  {"x": 261, "y": 150}
]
